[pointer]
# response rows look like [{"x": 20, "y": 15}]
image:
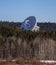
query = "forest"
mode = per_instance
[{"x": 18, "y": 43}]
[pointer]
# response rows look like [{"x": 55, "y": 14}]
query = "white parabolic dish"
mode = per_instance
[{"x": 30, "y": 24}]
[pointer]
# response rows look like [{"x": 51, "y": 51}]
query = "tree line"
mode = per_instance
[{"x": 16, "y": 43}]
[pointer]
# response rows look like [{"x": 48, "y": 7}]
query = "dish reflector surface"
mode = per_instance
[{"x": 28, "y": 23}]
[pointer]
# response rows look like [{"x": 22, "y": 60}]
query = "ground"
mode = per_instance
[{"x": 24, "y": 62}]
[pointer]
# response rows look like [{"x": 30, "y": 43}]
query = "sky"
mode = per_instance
[{"x": 18, "y": 10}]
